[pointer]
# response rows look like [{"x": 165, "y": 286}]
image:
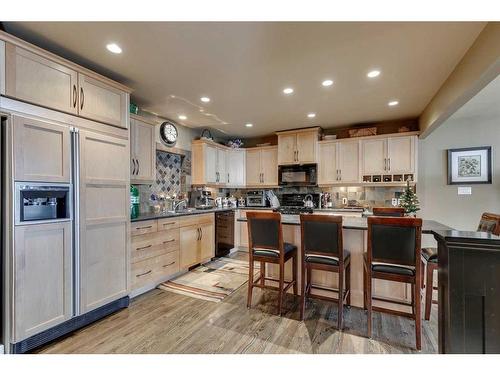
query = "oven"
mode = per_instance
[
  {"x": 298, "y": 175},
  {"x": 42, "y": 202}
]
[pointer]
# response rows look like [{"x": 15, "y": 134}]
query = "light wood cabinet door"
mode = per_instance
[
  {"x": 401, "y": 154},
  {"x": 253, "y": 168},
  {"x": 189, "y": 246},
  {"x": 37, "y": 80},
  {"x": 210, "y": 156},
  {"x": 327, "y": 163},
  {"x": 221, "y": 166},
  {"x": 287, "y": 147},
  {"x": 306, "y": 147},
  {"x": 41, "y": 151},
  {"x": 348, "y": 161},
  {"x": 143, "y": 151},
  {"x": 207, "y": 242},
  {"x": 102, "y": 102},
  {"x": 42, "y": 296},
  {"x": 104, "y": 219},
  {"x": 236, "y": 163},
  {"x": 374, "y": 156},
  {"x": 269, "y": 165}
]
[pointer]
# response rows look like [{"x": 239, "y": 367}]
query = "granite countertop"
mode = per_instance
[{"x": 191, "y": 211}]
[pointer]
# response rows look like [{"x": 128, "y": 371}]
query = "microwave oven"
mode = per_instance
[{"x": 298, "y": 175}]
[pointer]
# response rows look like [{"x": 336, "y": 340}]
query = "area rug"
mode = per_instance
[{"x": 212, "y": 281}]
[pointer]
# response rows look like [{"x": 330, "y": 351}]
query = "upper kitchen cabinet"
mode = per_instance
[
  {"x": 236, "y": 162},
  {"x": 262, "y": 166},
  {"x": 38, "y": 80},
  {"x": 35, "y": 76},
  {"x": 102, "y": 102},
  {"x": 209, "y": 161},
  {"x": 41, "y": 150},
  {"x": 338, "y": 162},
  {"x": 142, "y": 151},
  {"x": 298, "y": 146},
  {"x": 389, "y": 159}
]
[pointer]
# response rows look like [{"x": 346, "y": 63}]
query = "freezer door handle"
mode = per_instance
[{"x": 75, "y": 145}]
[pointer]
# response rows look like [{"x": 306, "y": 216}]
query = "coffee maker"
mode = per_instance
[{"x": 201, "y": 199}]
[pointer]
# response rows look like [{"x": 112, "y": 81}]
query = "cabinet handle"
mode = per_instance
[
  {"x": 133, "y": 166},
  {"x": 340, "y": 174},
  {"x": 385, "y": 164},
  {"x": 170, "y": 223},
  {"x": 144, "y": 274},
  {"x": 166, "y": 265},
  {"x": 201, "y": 234},
  {"x": 144, "y": 247},
  {"x": 297, "y": 155},
  {"x": 389, "y": 164},
  {"x": 74, "y": 96},
  {"x": 172, "y": 240},
  {"x": 198, "y": 230},
  {"x": 228, "y": 178},
  {"x": 149, "y": 226},
  {"x": 82, "y": 97},
  {"x": 138, "y": 166}
]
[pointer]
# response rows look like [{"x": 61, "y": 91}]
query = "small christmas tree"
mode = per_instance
[{"x": 409, "y": 200}]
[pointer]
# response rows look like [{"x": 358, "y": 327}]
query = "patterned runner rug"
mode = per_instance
[{"x": 212, "y": 281}]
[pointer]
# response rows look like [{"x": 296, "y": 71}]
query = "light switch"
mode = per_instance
[{"x": 464, "y": 190}]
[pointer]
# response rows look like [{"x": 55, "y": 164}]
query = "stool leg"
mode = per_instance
[
  {"x": 250, "y": 284},
  {"x": 418, "y": 317},
  {"x": 365, "y": 287},
  {"x": 428, "y": 291},
  {"x": 262, "y": 273},
  {"x": 422, "y": 275},
  {"x": 281, "y": 287},
  {"x": 303, "y": 291},
  {"x": 369, "y": 302},
  {"x": 348, "y": 284},
  {"x": 341, "y": 299},
  {"x": 294, "y": 276}
]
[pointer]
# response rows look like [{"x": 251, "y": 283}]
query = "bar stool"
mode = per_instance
[
  {"x": 265, "y": 243},
  {"x": 389, "y": 211},
  {"x": 489, "y": 223},
  {"x": 394, "y": 254},
  {"x": 322, "y": 249}
]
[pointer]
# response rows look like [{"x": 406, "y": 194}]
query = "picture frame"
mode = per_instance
[{"x": 470, "y": 165}]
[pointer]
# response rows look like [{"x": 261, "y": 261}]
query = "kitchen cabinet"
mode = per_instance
[
  {"x": 142, "y": 151},
  {"x": 38, "y": 80},
  {"x": 104, "y": 219},
  {"x": 197, "y": 240},
  {"x": 102, "y": 102},
  {"x": 327, "y": 164},
  {"x": 338, "y": 162},
  {"x": 236, "y": 163},
  {"x": 394, "y": 155},
  {"x": 42, "y": 262},
  {"x": 298, "y": 147},
  {"x": 262, "y": 166},
  {"x": 42, "y": 151},
  {"x": 209, "y": 163}
]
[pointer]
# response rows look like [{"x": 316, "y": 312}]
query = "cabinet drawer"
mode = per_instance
[
  {"x": 167, "y": 264},
  {"x": 153, "y": 269},
  {"x": 143, "y": 227},
  {"x": 205, "y": 218},
  {"x": 154, "y": 244},
  {"x": 165, "y": 224},
  {"x": 187, "y": 221}
]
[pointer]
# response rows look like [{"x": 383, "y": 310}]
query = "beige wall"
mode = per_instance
[{"x": 440, "y": 201}]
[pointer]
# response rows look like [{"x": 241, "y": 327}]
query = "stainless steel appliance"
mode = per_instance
[
  {"x": 224, "y": 233},
  {"x": 201, "y": 199},
  {"x": 256, "y": 198},
  {"x": 298, "y": 175},
  {"x": 42, "y": 202}
]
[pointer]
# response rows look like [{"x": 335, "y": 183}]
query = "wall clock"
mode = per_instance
[{"x": 168, "y": 133}]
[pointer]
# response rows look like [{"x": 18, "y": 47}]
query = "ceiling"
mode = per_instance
[{"x": 243, "y": 67}]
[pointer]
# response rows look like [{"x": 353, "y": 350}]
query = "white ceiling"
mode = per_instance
[{"x": 243, "y": 67}]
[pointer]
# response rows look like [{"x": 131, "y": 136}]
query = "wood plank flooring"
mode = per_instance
[{"x": 165, "y": 322}]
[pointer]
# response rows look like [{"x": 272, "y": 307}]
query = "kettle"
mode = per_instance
[{"x": 308, "y": 201}]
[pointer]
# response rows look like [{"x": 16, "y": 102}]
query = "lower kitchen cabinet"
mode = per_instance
[
  {"x": 42, "y": 295},
  {"x": 197, "y": 239}
]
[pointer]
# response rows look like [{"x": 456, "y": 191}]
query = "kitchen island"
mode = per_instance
[{"x": 355, "y": 240}]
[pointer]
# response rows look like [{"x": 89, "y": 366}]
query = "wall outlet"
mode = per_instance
[
  {"x": 395, "y": 202},
  {"x": 464, "y": 190}
]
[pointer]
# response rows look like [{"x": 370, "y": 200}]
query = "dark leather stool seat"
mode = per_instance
[
  {"x": 332, "y": 261},
  {"x": 430, "y": 254},
  {"x": 398, "y": 270},
  {"x": 287, "y": 247}
]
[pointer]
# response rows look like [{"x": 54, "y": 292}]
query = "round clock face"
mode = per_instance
[{"x": 168, "y": 133}]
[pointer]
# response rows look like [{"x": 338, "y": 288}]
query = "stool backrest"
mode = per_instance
[
  {"x": 322, "y": 235},
  {"x": 394, "y": 240},
  {"x": 489, "y": 223},
  {"x": 264, "y": 231},
  {"x": 389, "y": 211}
]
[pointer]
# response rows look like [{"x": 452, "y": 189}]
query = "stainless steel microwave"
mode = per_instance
[{"x": 298, "y": 175}]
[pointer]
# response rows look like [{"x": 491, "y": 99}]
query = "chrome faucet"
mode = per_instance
[{"x": 180, "y": 203}]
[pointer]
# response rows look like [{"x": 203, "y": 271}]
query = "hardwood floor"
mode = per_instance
[{"x": 164, "y": 322}]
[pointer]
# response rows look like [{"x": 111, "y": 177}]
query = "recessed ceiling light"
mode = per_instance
[
  {"x": 249, "y": 125},
  {"x": 288, "y": 91},
  {"x": 373, "y": 74},
  {"x": 205, "y": 99},
  {"x": 114, "y": 48},
  {"x": 311, "y": 115},
  {"x": 327, "y": 82},
  {"x": 392, "y": 103},
  {"x": 182, "y": 117}
]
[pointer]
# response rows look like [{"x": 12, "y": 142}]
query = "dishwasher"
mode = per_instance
[{"x": 224, "y": 233}]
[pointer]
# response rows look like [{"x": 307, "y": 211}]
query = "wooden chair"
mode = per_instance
[
  {"x": 265, "y": 243},
  {"x": 394, "y": 254},
  {"x": 389, "y": 211},
  {"x": 322, "y": 249},
  {"x": 489, "y": 223}
]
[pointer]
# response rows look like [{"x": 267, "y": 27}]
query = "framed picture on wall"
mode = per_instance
[{"x": 469, "y": 165}]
